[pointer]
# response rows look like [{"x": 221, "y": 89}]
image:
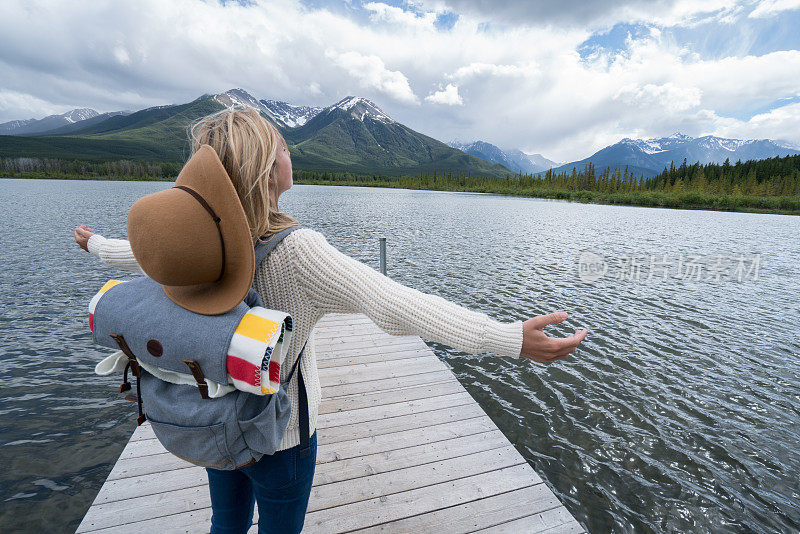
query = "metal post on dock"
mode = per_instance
[{"x": 382, "y": 241}]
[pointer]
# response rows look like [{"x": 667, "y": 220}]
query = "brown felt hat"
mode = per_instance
[{"x": 194, "y": 239}]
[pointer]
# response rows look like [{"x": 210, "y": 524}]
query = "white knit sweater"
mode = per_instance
[{"x": 307, "y": 277}]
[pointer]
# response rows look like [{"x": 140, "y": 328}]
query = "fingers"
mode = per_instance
[
  {"x": 561, "y": 348},
  {"x": 551, "y": 318},
  {"x": 569, "y": 342}
]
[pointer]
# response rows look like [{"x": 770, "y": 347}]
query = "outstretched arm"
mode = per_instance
[
  {"x": 113, "y": 252},
  {"x": 337, "y": 283}
]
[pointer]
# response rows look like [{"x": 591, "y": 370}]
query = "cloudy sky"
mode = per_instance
[{"x": 561, "y": 78}]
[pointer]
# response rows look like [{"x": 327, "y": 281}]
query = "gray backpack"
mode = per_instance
[{"x": 228, "y": 432}]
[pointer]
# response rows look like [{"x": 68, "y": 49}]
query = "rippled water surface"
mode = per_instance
[{"x": 680, "y": 412}]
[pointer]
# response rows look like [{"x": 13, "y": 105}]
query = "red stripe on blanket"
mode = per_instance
[
  {"x": 274, "y": 371},
  {"x": 243, "y": 370}
]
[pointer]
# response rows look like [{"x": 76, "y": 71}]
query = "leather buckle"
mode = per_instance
[{"x": 197, "y": 373}]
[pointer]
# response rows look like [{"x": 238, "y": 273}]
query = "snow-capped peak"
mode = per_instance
[
  {"x": 361, "y": 108},
  {"x": 787, "y": 144},
  {"x": 654, "y": 154},
  {"x": 79, "y": 114},
  {"x": 239, "y": 97},
  {"x": 290, "y": 115},
  {"x": 679, "y": 137},
  {"x": 648, "y": 146}
]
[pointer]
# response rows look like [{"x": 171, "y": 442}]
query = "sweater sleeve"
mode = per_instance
[
  {"x": 114, "y": 253},
  {"x": 337, "y": 283}
]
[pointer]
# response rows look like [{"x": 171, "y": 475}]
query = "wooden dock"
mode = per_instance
[{"x": 375, "y": 472}]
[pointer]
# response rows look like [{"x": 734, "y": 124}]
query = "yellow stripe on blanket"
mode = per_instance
[
  {"x": 257, "y": 328},
  {"x": 108, "y": 285}
]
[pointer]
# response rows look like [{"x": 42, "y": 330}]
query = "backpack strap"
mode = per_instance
[
  {"x": 302, "y": 399},
  {"x": 264, "y": 248}
]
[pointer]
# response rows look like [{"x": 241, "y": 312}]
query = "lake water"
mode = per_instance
[{"x": 679, "y": 413}]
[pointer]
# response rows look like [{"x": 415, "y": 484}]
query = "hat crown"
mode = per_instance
[
  {"x": 178, "y": 242},
  {"x": 194, "y": 238}
]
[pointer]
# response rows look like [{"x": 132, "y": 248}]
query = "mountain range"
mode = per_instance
[
  {"x": 514, "y": 159},
  {"x": 54, "y": 123},
  {"x": 651, "y": 156},
  {"x": 353, "y": 135}
]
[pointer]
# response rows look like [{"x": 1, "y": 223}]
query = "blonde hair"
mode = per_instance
[{"x": 247, "y": 143}]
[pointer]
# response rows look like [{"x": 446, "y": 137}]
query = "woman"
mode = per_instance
[{"x": 316, "y": 278}]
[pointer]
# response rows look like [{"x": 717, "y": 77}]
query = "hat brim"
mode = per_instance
[{"x": 205, "y": 174}]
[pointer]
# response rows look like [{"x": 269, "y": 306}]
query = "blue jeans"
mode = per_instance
[{"x": 280, "y": 484}]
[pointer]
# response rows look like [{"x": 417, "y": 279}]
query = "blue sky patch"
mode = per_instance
[
  {"x": 445, "y": 21},
  {"x": 710, "y": 40},
  {"x": 613, "y": 41},
  {"x": 748, "y": 112}
]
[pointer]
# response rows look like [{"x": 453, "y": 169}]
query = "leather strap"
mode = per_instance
[
  {"x": 203, "y": 203},
  {"x": 136, "y": 370},
  {"x": 197, "y": 373}
]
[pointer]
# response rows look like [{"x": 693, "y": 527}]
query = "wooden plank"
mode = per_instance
[
  {"x": 397, "y": 409},
  {"x": 138, "y": 510},
  {"x": 345, "y": 318},
  {"x": 386, "y": 384},
  {"x": 394, "y": 506},
  {"x": 375, "y": 444},
  {"x": 408, "y": 422},
  {"x": 367, "y": 342},
  {"x": 331, "y": 472},
  {"x": 387, "y": 366},
  {"x": 338, "y": 335},
  {"x": 554, "y": 521},
  {"x": 155, "y": 485},
  {"x": 142, "y": 510},
  {"x": 157, "y": 460},
  {"x": 373, "y": 463},
  {"x": 381, "y": 398},
  {"x": 475, "y": 515},
  {"x": 353, "y": 322},
  {"x": 380, "y": 356},
  {"x": 374, "y": 371},
  {"x": 346, "y": 491},
  {"x": 364, "y": 429}
]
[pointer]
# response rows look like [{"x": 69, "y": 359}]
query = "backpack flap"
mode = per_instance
[
  {"x": 252, "y": 354},
  {"x": 161, "y": 333}
]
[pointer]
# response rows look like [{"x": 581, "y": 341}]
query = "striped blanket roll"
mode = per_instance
[{"x": 256, "y": 351}]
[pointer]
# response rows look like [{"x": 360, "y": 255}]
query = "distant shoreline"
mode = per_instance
[{"x": 693, "y": 201}]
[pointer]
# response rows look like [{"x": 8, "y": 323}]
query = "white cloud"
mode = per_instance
[
  {"x": 518, "y": 83},
  {"x": 668, "y": 96},
  {"x": 121, "y": 55},
  {"x": 27, "y": 106},
  {"x": 774, "y": 124},
  {"x": 313, "y": 89},
  {"x": 770, "y": 8},
  {"x": 480, "y": 69},
  {"x": 373, "y": 74},
  {"x": 595, "y": 14},
  {"x": 449, "y": 96},
  {"x": 394, "y": 15}
]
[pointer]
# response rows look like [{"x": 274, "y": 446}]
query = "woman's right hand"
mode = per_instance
[{"x": 537, "y": 346}]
